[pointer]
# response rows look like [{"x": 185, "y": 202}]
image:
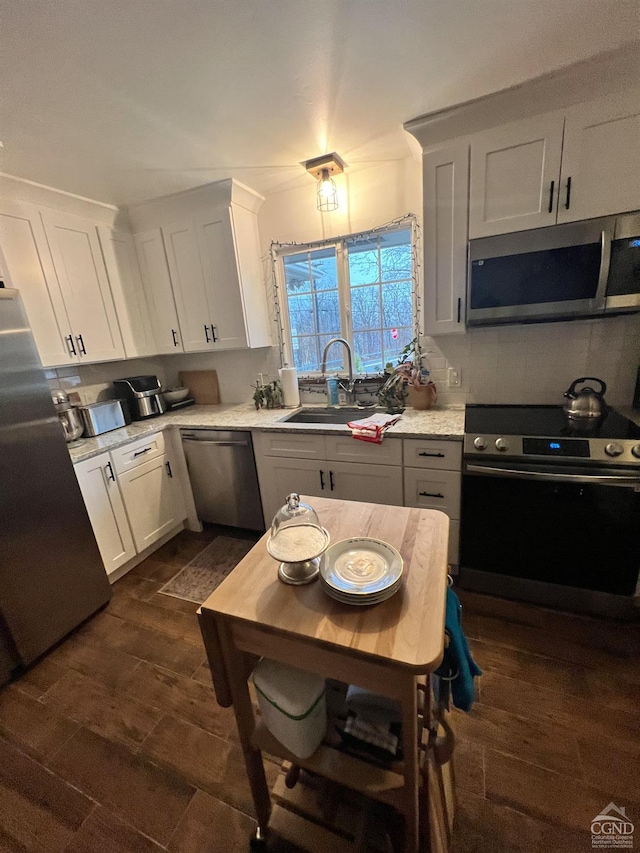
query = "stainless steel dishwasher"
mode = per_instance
[{"x": 222, "y": 470}]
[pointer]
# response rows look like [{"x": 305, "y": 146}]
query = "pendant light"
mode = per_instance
[
  {"x": 327, "y": 193},
  {"x": 322, "y": 168}
]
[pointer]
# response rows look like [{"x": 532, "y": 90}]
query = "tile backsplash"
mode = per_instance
[
  {"x": 508, "y": 364},
  {"x": 536, "y": 363},
  {"x": 87, "y": 383}
]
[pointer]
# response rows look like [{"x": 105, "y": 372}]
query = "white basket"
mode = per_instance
[{"x": 292, "y": 704}]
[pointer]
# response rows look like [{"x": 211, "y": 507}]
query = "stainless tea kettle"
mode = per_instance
[{"x": 585, "y": 404}]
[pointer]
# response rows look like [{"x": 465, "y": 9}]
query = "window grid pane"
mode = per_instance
[
  {"x": 379, "y": 278},
  {"x": 381, "y": 308},
  {"x": 311, "y": 280}
]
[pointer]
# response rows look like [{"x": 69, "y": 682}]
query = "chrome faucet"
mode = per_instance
[{"x": 349, "y": 388}]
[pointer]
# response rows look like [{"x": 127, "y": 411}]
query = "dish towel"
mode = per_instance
[
  {"x": 373, "y": 427},
  {"x": 458, "y": 668}
]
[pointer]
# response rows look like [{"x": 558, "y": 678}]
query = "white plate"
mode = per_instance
[
  {"x": 361, "y": 566},
  {"x": 358, "y": 596},
  {"x": 359, "y": 600}
]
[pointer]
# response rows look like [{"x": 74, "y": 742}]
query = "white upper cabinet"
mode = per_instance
[
  {"x": 85, "y": 287},
  {"x": 29, "y": 268},
  {"x": 158, "y": 291},
  {"x": 189, "y": 286},
  {"x": 515, "y": 176},
  {"x": 251, "y": 275},
  {"x": 213, "y": 251},
  {"x": 217, "y": 249},
  {"x": 119, "y": 252},
  {"x": 601, "y": 159},
  {"x": 445, "y": 174}
]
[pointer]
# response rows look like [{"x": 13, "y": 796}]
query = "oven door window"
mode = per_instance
[{"x": 583, "y": 536}]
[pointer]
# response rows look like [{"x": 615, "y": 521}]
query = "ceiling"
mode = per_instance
[{"x": 124, "y": 101}]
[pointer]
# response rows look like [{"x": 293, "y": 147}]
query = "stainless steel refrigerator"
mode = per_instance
[{"x": 51, "y": 574}]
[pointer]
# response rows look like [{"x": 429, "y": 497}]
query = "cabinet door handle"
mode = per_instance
[
  {"x": 175, "y": 337},
  {"x": 551, "y": 189},
  {"x": 331, "y": 480},
  {"x": 72, "y": 349},
  {"x": 459, "y": 308},
  {"x": 81, "y": 344},
  {"x": 110, "y": 473},
  {"x": 567, "y": 203},
  {"x": 434, "y": 455},
  {"x": 430, "y": 495},
  {"x": 169, "y": 471},
  {"x": 322, "y": 480},
  {"x": 213, "y": 332},
  {"x": 206, "y": 333},
  {"x": 141, "y": 452}
]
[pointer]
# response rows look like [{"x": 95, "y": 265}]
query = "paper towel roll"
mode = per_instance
[{"x": 290, "y": 390}]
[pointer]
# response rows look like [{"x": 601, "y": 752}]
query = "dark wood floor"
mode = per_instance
[{"x": 113, "y": 742}]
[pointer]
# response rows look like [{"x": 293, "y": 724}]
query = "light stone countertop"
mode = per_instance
[{"x": 445, "y": 424}]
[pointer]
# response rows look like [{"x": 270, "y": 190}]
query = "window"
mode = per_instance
[{"x": 358, "y": 288}]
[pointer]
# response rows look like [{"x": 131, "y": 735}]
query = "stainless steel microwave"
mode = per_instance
[{"x": 581, "y": 269}]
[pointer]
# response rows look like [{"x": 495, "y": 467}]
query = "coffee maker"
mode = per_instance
[{"x": 144, "y": 395}]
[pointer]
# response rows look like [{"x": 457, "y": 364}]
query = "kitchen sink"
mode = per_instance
[{"x": 330, "y": 415}]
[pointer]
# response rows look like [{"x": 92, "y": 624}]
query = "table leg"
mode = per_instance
[
  {"x": 411, "y": 765},
  {"x": 235, "y": 666}
]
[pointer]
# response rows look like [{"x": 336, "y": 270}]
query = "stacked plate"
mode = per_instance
[{"x": 361, "y": 571}]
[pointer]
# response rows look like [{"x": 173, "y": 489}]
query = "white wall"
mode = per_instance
[{"x": 368, "y": 197}]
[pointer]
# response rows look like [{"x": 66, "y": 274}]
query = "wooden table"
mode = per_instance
[{"x": 383, "y": 648}]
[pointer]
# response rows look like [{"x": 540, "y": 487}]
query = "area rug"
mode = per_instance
[{"x": 198, "y": 579}]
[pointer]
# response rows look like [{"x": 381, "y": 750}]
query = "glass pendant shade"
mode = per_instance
[{"x": 327, "y": 193}]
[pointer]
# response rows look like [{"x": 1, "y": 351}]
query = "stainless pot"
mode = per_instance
[{"x": 586, "y": 404}]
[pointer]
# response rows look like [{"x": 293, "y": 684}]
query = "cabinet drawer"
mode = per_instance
[
  {"x": 454, "y": 542},
  {"x": 295, "y": 445},
  {"x": 138, "y": 452},
  {"x": 345, "y": 448},
  {"x": 428, "y": 489},
  {"x": 427, "y": 453}
]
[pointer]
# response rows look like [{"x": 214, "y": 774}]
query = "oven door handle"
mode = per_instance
[{"x": 589, "y": 479}]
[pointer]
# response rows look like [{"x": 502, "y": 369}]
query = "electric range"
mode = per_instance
[
  {"x": 543, "y": 433},
  {"x": 551, "y": 511}
]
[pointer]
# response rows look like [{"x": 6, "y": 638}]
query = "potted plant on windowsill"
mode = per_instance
[{"x": 407, "y": 381}]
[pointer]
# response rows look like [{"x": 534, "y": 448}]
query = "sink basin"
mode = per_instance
[{"x": 330, "y": 415}]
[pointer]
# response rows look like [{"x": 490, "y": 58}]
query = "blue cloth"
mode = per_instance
[{"x": 458, "y": 668}]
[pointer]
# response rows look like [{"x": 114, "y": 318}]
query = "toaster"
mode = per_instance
[{"x": 105, "y": 416}]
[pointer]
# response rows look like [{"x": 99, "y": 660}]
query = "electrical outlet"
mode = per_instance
[{"x": 454, "y": 377}]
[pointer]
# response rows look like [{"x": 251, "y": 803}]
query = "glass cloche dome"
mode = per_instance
[{"x": 298, "y": 540}]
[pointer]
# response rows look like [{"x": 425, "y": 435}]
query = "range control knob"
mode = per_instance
[
  {"x": 502, "y": 444},
  {"x": 636, "y": 450},
  {"x": 480, "y": 443},
  {"x": 613, "y": 449}
]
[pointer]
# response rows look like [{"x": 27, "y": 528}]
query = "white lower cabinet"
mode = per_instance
[
  {"x": 106, "y": 511},
  {"x": 314, "y": 465},
  {"x": 358, "y": 481},
  {"x": 279, "y": 476},
  {"x": 153, "y": 499},
  {"x": 347, "y": 481},
  {"x": 131, "y": 503}
]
